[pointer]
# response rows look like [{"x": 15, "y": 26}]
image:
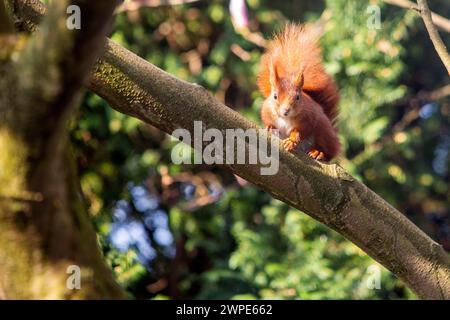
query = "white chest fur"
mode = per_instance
[{"x": 285, "y": 126}]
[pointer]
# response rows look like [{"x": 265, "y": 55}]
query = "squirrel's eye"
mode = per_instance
[
  {"x": 275, "y": 96},
  {"x": 298, "y": 97}
]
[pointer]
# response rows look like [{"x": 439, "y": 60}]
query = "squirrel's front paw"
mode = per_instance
[
  {"x": 293, "y": 140},
  {"x": 316, "y": 154},
  {"x": 288, "y": 144},
  {"x": 272, "y": 130}
]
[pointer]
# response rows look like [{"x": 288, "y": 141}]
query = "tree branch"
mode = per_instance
[
  {"x": 414, "y": 103},
  {"x": 132, "y": 5},
  {"x": 440, "y": 21},
  {"x": 439, "y": 45}
]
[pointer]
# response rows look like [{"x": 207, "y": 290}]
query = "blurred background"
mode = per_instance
[{"x": 171, "y": 231}]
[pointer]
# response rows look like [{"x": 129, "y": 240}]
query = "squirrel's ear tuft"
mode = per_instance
[
  {"x": 299, "y": 78},
  {"x": 273, "y": 74}
]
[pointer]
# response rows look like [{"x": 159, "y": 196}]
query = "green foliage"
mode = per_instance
[{"x": 243, "y": 244}]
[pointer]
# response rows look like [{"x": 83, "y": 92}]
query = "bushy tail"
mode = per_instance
[{"x": 296, "y": 49}]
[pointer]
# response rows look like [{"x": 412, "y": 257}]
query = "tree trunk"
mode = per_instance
[
  {"x": 45, "y": 233},
  {"x": 44, "y": 228}
]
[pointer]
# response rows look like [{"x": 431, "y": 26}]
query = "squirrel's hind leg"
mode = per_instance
[{"x": 316, "y": 154}]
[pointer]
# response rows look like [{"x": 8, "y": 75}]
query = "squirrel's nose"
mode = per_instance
[{"x": 286, "y": 112}]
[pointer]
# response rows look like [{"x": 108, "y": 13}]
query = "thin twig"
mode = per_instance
[
  {"x": 133, "y": 5},
  {"x": 414, "y": 104},
  {"x": 440, "y": 21},
  {"x": 439, "y": 45}
]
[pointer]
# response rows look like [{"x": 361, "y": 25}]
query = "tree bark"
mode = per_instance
[
  {"x": 6, "y": 26},
  {"x": 44, "y": 226}
]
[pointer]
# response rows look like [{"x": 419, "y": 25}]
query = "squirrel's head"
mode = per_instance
[{"x": 286, "y": 92}]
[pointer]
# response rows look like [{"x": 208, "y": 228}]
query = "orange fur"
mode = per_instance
[
  {"x": 300, "y": 95},
  {"x": 296, "y": 49}
]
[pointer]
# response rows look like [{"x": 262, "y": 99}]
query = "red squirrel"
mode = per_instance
[{"x": 301, "y": 99}]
